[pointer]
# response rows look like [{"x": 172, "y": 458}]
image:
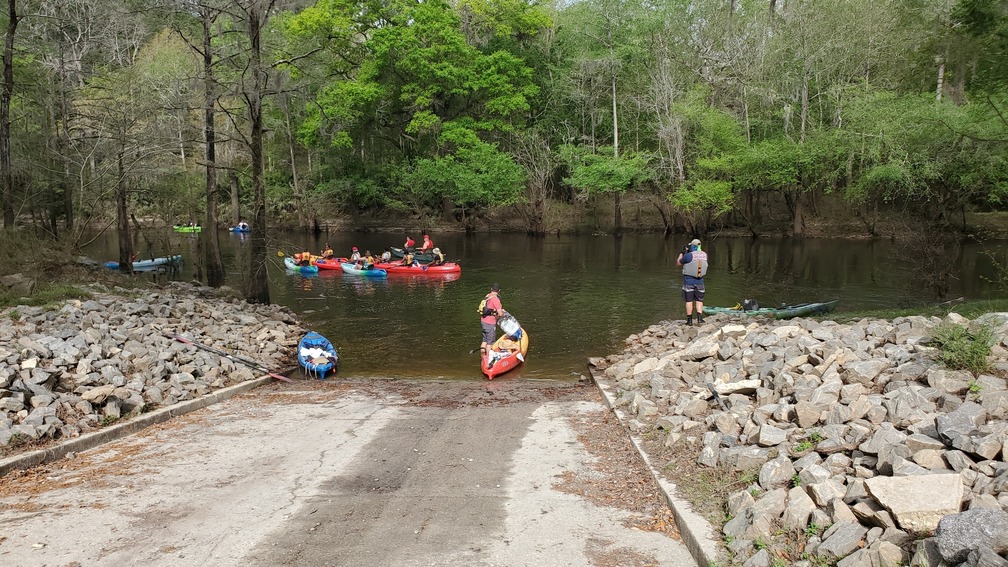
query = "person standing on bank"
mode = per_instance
[
  {"x": 492, "y": 309},
  {"x": 694, "y": 268}
]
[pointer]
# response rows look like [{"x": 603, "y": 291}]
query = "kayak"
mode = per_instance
[
  {"x": 317, "y": 355},
  {"x": 240, "y": 229},
  {"x": 293, "y": 266},
  {"x": 151, "y": 265},
  {"x": 782, "y": 312},
  {"x": 349, "y": 268},
  {"x": 420, "y": 270},
  {"x": 498, "y": 360},
  {"x": 422, "y": 257},
  {"x": 330, "y": 264},
  {"x": 186, "y": 228}
]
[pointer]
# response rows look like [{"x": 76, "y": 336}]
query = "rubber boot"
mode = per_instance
[
  {"x": 689, "y": 319},
  {"x": 699, "y": 318}
]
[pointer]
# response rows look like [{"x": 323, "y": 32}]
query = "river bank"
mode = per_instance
[
  {"x": 805, "y": 441},
  {"x": 86, "y": 363}
]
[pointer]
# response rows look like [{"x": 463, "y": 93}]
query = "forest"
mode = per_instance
[{"x": 704, "y": 113}]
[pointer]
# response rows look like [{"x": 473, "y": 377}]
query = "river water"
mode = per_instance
[{"x": 577, "y": 296}]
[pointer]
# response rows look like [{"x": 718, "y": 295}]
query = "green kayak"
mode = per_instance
[
  {"x": 783, "y": 312},
  {"x": 186, "y": 228}
]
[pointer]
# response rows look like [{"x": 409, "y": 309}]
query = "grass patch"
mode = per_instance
[
  {"x": 45, "y": 294},
  {"x": 962, "y": 349},
  {"x": 969, "y": 309}
]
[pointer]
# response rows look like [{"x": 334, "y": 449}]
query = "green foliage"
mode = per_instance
[
  {"x": 759, "y": 544},
  {"x": 962, "y": 349},
  {"x": 601, "y": 172}
]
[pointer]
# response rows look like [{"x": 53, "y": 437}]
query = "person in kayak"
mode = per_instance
[
  {"x": 410, "y": 243},
  {"x": 428, "y": 245},
  {"x": 491, "y": 309},
  {"x": 386, "y": 256},
  {"x": 438, "y": 257},
  {"x": 305, "y": 259},
  {"x": 694, "y": 268},
  {"x": 327, "y": 252},
  {"x": 368, "y": 260},
  {"x": 354, "y": 255},
  {"x": 408, "y": 259}
]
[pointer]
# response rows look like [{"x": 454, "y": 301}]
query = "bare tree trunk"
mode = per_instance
[
  {"x": 299, "y": 201},
  {"x": 5, "y": 100},
  {"x": 941, "y": 81},
  {"x": 804, "y": 110},
  {"x": 122, "y": 219},
  {"x": 257, "y": 282},
  {"x": 617, "y": 197},
  {"x": 235, "y": 205},
  {"x": 214, "y": 263}
]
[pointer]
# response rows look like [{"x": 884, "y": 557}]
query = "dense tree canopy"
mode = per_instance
[{"x": 713, "y": 112}]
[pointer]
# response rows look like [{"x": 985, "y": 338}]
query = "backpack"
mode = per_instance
[{"x": 485, "y": 311}]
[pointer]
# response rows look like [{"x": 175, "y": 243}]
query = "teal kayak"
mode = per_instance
[
  {"x": 152, "y": 265},
  {"x": 349, "y": 268},
  {"x": 294, "y": 267},
  {"x": 783, "y": 312}
]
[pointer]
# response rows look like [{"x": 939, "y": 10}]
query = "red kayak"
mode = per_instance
[
  {"x": 330, "y": 264},
  {"x": 498, "y": 360},
  {"x": 422, "y": 269}
]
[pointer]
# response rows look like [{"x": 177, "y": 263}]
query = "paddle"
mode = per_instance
[{"x": 233, "y": 357}]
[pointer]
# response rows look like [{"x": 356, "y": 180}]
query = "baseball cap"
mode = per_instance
[
  {"x": 695, "y": 242},
  {"x": 354, "y": 248}
]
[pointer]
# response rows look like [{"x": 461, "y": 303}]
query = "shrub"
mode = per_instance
[{"x": 962, "y": 349}]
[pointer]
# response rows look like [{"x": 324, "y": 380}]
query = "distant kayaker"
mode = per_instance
[
  {"x": 410, "y": 243},
  {"x": 386, "y": 256},
  {"x": 428, "y": 245},
  {"x": 490, "y": 310},
  {"x": 438, "y": 257},
  {"x": 305, "y": 259},
  {"x": 694, "y": 267},
  {"x": 354, "y": 255},
  {"x": 243, "y": 225},
  {"x": 327, "y": 252},
  {"x": 408, "y": 259},
  {"x": 368, "y": 260}
]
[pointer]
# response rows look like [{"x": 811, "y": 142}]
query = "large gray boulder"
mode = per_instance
[
  {"x": 917, "y": 503},
  {"x": 958, "y": 534}
]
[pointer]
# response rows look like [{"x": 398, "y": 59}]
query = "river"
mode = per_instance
[{"x": 577, "y": 295}]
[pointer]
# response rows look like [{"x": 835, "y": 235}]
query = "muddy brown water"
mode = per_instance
[{"x": 576, "y": 295}]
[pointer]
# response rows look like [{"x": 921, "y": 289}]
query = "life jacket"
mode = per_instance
[
  {"x": 485, "y": 311},
  {"x": 697, "y": 266}
]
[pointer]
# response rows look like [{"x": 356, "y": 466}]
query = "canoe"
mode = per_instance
[
  {"x": 240, "y": 229},
  {"x": 317, "y": 355},
  {"x": 330, "y": 264},
  {"x": 500, "y": 363},
  {"x": 152, "y": 265},
  {"x": 421, "y": 270},
  {"x": 783, "y": 312},
  {"x": 423, "y": 258},
  {"x": 349, "y": 268},
  {"x": 294, "y": 267},
  {"x": 185, "y": 228}
]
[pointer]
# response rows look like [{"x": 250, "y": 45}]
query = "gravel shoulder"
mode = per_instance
[{"x": 361, "y": 473}]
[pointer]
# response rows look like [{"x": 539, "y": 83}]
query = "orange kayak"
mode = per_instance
[{"x": 498, "y": 360}]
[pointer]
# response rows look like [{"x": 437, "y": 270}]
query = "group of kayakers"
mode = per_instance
[{"x": 367, "y": 260}]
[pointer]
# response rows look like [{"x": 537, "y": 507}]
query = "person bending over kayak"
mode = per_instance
[
  {"x": 694, "y": 267},
  {"x": 492, "y": 309}
]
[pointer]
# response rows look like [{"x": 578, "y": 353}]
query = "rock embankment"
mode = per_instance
[
  {"x": 70, "y": 370},
  {"x": 857, "y": 445}
]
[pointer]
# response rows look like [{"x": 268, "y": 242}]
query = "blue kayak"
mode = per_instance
[
  {"x": 353, "y": 269},
  {"x": 152, "y": 265},
  {"x": 240, "y": 228},
  {"x": 317, "y": 355},
  {"x": 293, "y": 266}
]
